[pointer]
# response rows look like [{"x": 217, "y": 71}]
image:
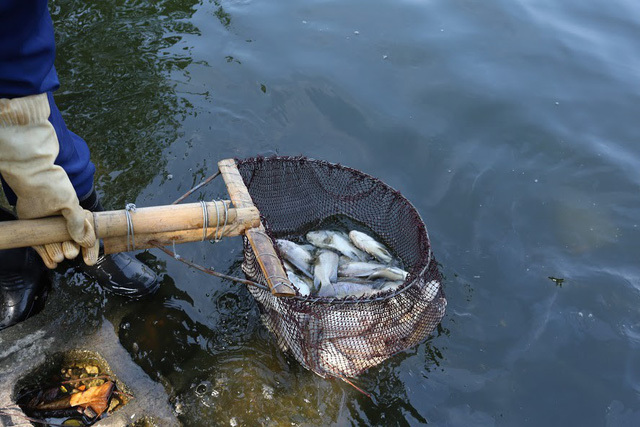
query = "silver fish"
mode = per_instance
[
  {"x": 296, "y": 255},
  {"x": 332, "y": 359},
  {"x": 359, "y": 268},
  {"x": 432, "y": 289},
  {"x": 390, "y": 273},
  {"x": 287, "y": 265},
  {"x": 371, "y": 246},
  {"x": 308, "y": 247},
  {"x": 325, "y": 271},
  {"x": 326, "y": 291},
  {"x": 363, "y": 281},
  {"x": 388, "y": 286},
  {"x": 340, "y": 321},
  {"x": 326, "y": 239},
  {"x": 303, "y": 287},
  {"x": 359, "y": 347},
  {"x": 343, "y": 289}
]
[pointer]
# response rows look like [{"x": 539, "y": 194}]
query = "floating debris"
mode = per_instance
[
  {"x": 81, "y": 393},
  {"x": 557, "y": 281}
]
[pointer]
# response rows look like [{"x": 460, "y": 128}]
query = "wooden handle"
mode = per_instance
[
  {"x": 164, "y": 218},
  {"x": 112, "y": 225},
  {"x": 244, "y": 219},
  {"x": 258, "y": 239}
]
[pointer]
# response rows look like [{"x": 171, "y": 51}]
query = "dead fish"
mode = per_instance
[
  {"x": 390, "y": 273},
  {"x": 303, "y": 287},
  {"x": 391, "y": 286},
  {"x": 332, "y": 359},
  {"x": 371, "y": 271},
  {"x": 360, "y": 347},
  {"x": 296, "y": 255},
  {"x": 308, "y": 247},
  {"x": 288, "y": 266},
  {"x": 326, "y": 239},
  {"x": 432, "y": 289},
  {"x": 358, "y": 287},
  {"x": 325, "y": 271},
  {"x": 343, "y": 289},
  {"x": 362, "y": 281},
  {"x": 343, "y": 323},
  {"x": 371, "y": 246},
  {"x": 359, "y": 268}
]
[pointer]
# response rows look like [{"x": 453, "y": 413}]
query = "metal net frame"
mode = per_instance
[{"x": 342, "y": 337}]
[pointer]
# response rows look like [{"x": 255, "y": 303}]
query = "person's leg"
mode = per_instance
[
  {"x": 24, "y": 282},
  {"x": 74, "y": 156},
  {"x": 122, "y": 274}
]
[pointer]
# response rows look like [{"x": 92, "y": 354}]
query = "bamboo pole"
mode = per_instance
[
  {"x": 163, "y": 218},
  {"x": 260, "y": 242},
  {"x": 241, "y": 220},
  {"x": 113, "y": 225}
]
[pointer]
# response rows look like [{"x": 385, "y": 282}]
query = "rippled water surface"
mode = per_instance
[{"x": 511, "y": 126}]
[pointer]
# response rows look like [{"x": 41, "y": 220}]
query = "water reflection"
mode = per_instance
[
  {"x": 390, "y": 402},
  {"x": 232, "y": 371},
  {"x": 221, "y": 14},
  {"x": 161, "y": 341},
  {"x": 115, "y": 61},
  {"x": 263, "y": 389}
]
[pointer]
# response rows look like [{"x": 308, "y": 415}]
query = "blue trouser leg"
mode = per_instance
[{"x": 73, "y": 157}]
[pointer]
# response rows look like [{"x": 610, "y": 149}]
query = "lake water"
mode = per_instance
[{"x": 512, "y": 126}]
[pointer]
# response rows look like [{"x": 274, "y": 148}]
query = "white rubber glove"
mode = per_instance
[{"x": 28, "y": 149}]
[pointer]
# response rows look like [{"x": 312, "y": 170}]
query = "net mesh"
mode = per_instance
[{"x": 343, "y": 337}]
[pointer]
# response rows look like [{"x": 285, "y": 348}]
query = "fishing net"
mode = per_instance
[{"x": 342, "y": 337}]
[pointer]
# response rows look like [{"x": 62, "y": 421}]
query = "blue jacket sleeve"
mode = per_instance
[{"x": 27, "y": 49}]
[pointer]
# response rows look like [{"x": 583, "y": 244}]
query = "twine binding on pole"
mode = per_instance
[{"x": 131, "y": 238}]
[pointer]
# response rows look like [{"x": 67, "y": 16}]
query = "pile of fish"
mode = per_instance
[{"x": 337, "y": 264}]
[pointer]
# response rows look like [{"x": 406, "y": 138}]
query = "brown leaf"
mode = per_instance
[
  {"x": 96, "y": 398},
  {"x": 55, "y": 405}
]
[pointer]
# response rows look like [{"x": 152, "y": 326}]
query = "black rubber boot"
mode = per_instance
[
  {"x": 119, "y": 273},
  {"x": 24, "y": 282}
]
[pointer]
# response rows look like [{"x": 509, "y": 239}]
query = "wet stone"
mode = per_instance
[
  {"x": 39, "y": 354},
  {"x": 44, "y": 394}
]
